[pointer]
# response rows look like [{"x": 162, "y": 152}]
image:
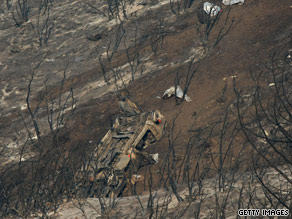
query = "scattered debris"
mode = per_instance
[
  {"x": 179, "y": 93},
  {"x": 289, "y": 57},
  {"x": 233, "y": 2},
  {"x": 155, "y": 157},
  {"x": 127, "y": 106},
  {"x": 211, "y": 9},
  {"x": 203, "y": 12},
  {"x": 49, "y": 60},
  {"x": 136, "y": 178}
]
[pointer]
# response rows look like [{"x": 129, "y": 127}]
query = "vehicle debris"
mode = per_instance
[
  {"x": 136, "y": 178},
  {"x": 211, "y": 9},
  {"x": 233, "y": 2},
  {"x": 120, "y": 154},
  {"x": 289, "y": 57},
  {"x": 179, "y": 93},
  {"x": 203, "y": 12},
  {"x": 127, "y": 106}
]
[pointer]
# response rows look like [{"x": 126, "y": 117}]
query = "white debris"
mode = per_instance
[
  {"x": 271, "y": 84},
  {"x": 232, "y": 2},
  {"x": 211, "y": 8},
  {"x": 49, "y": 60},
  {"x": 155, "y": 157},
  {"x": 136, "y": 178},
  {"x": 179, "y": 93},
  {"x": 266, "y": 132}
]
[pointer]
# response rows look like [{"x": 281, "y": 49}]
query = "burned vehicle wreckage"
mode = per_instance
[{"x": 115, "y": 161}]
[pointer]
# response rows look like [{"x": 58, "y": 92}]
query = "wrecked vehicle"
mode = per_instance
[{"x": 119, "y": 155}]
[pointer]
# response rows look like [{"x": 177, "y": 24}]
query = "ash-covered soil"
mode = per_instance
[
  {"x": 168, "y": 206},
  {"x": 70, "y": 46},
  {"x": 70, "y": 81}
]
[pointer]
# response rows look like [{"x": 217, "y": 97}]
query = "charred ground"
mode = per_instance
[{"x": 168, "y": 41}]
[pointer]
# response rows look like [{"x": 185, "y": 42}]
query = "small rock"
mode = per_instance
[{"x": 94, "y": 37}]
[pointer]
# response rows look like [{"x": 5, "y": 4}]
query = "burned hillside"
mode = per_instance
[{"x": 218, "y": 73}]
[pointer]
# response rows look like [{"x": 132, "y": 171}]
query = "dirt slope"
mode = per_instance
[{"x": 260, "y": 28}]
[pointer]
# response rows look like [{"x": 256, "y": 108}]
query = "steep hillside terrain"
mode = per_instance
[{"x": 59, "y": 87}]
